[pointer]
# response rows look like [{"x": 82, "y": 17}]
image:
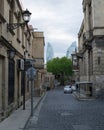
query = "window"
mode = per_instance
[
  {"x": 2, "y": 7},
  {"x": 18, "y": 31},
  {"x": 11, "y": 77},
  {"x": 10, "y": 16}
]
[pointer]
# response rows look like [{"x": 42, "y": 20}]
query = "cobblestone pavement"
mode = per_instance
[{"x": 59, "y": 111}]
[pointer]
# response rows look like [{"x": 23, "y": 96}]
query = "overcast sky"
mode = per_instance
[{"x": 60, "y": 20}]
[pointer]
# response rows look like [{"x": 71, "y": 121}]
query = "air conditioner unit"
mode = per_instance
[{"x": 20, "y": 64}]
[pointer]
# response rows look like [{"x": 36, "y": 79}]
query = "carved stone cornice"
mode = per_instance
[
  {"x": 88, "y": 46},
  {"x": 88, "y": 36},
  {"x": 80, "y": 54}
]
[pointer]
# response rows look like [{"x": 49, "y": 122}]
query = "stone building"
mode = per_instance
[
  {"x": 91, "y": 48},
  {"x": 49, "y": 81},
  {"x": 13, "y": 81},
  {"x": 38, "y": 56}
]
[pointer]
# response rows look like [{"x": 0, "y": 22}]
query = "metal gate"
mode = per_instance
[{"x": 11, "y": 77}]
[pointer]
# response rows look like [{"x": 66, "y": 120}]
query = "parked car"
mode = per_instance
[{"x": 68, "y": 89}]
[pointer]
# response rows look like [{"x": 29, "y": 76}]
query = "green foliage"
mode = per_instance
[{"x": 60, "y": 66}]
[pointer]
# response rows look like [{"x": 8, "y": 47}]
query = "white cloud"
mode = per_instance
[
  {"x": 60, "y": 36},
  {"x": 59, "y": 19}
]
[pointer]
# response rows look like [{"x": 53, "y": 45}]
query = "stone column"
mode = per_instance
[
  {"x": 19, "y": 90},
  {"x": 89, "y": 65},
  {"x": 0, "y": 83},
  {"x": 6, "y": 82},
  {"x": 86, "y": 9},
  {"x": 87, "y": 17},
  {"x": 15, "y": 85}
]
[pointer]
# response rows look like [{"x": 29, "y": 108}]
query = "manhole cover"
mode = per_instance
[{"x": 66, "y": 114}]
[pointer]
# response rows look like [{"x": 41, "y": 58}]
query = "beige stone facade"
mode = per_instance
[
  {"x": 20, "y": 40},
  {"x": 49, "y": 81},
  {"x": 38, "y": 54},
  {"x": 91, "y": 46}
]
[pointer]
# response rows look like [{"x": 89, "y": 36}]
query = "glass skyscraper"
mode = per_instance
[
  {"x": 71, "y": 49},
  {"x": 49, "y": 52}
]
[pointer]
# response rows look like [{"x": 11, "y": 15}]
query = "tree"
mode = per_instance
[{"x": 60, "y": 67}]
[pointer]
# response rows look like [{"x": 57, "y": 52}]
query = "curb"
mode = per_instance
[
  {"x": 82, "y": 98},
  {"x": 35, "y": 107}
]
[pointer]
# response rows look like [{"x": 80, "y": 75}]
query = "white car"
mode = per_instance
[{"x": 68, "y": 89}]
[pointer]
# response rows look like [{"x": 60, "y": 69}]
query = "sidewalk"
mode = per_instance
[
  {"x": 18, "y": 119},
  {"x": 81, "y": 96}
]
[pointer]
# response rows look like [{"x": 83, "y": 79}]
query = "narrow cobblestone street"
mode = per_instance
[{"x": 59, "y": 111}]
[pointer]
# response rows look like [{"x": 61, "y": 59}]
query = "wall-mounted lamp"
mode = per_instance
[
  {"x": 11, "y": 53},
  {"x": 99, "y": 52},
  {"x": 26, "y": 17},
  {"x": 74, "y": 57}
]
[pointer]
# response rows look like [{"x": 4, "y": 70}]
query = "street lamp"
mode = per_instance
[
  {"x": 11, "y": 53},
  {"x": 74, "y": 61},
  {"x": 26, "y": 18}
]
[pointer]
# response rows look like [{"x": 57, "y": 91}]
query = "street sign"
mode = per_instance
[{"x": 31, "y": 73}]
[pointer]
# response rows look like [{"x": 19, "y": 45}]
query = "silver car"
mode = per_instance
[{"x": 68, "y": 89}]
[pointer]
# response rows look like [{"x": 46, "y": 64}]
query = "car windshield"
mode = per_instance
[{"x": 68, "y": 86}]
